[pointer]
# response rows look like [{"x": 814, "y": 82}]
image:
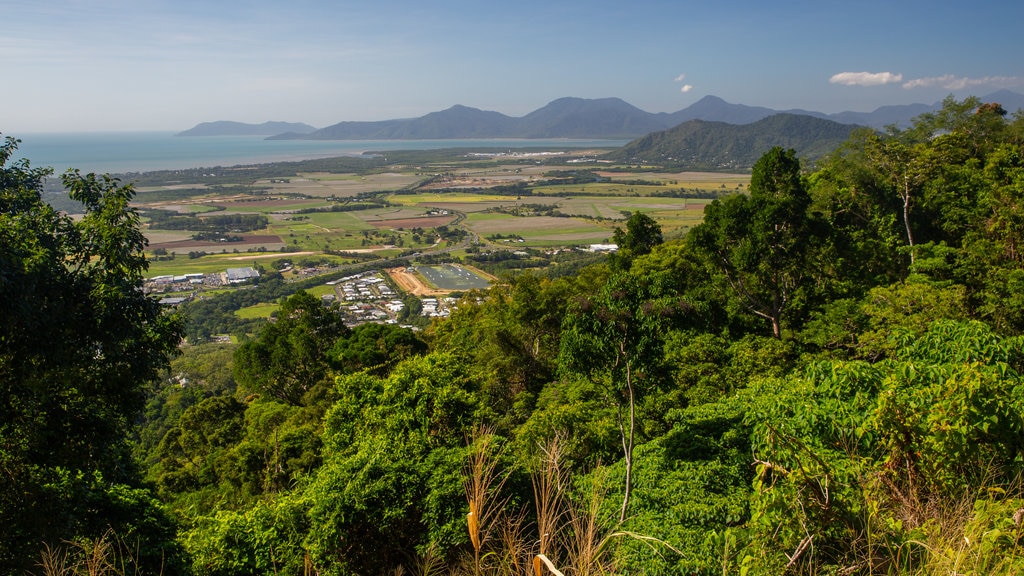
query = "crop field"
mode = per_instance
[
  {"x": 341, "y": 185},
  {"x": 391, "y": 213},
  {"x": 262, "y": 310},
  {"x": 540, "y": 230},
  {"x": 434, "y": 198}
]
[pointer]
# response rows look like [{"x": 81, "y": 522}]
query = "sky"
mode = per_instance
[{"x": 149, "y": 65}]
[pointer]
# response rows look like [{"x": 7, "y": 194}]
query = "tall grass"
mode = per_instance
[
  {"x": 570, "y": 534},
  {"x": 106, "y": 555}
]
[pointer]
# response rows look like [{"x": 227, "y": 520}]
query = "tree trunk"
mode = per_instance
[
  {"x": 627, "y": 443},
  {"x": 906, "y": 216}
]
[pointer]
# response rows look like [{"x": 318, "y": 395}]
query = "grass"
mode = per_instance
[{"x": 262, "y": 310}]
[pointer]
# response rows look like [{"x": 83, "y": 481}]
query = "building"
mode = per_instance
[{"x": 237, "y": 275}]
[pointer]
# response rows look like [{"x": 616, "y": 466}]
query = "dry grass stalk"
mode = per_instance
[
  {"x": 548, "y": 493},
  {"x": 107, "y": 555},
  {"x": 429, "y": 563},
  {"x": 516, "y": 553},
  {"x": 483, "y": 483},
  {"x": 55, "y": 561},
  {"x": 585, "y": 541},
  {"x": 540, "y": 561}
]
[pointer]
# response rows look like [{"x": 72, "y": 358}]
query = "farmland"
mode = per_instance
[
  {"x": 399, "y": 208},
  {"x": 413, "y": 218}
]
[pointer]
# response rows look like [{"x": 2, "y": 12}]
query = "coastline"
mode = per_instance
[{"x": 135, "y": 152}]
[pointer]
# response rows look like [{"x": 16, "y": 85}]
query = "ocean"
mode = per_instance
[{"x": 126, "y": 152}]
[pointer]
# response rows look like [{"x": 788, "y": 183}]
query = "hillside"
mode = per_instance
[
  {"x": 702, "y": 145},
  {"x": 228, "y": 128}
]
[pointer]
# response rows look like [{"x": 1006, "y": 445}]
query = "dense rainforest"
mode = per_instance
[{"x": 824, "y": 377}]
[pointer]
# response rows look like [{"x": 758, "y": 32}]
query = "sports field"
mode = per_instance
[{"x": 452, "y": 277}]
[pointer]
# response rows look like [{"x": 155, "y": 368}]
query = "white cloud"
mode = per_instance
[
  {"x": 680, "y": 78},
  {"x": 686, "y": 88},
  {"x": 951, "y": 82},
  {"x": 865, "y": 78}
]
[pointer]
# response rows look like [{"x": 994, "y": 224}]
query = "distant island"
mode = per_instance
[{"x": 228, "y": 128}]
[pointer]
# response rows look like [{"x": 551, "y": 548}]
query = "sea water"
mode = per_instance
[{"x": 126, "y": 152}]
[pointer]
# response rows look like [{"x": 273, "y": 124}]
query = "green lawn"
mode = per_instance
[{"x": 257, "y": 311}]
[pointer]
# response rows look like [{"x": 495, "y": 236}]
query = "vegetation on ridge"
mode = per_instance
[{"x": 825, "y": 376}]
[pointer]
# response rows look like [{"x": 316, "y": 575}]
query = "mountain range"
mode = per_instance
[{"x": 610, "y": 118}]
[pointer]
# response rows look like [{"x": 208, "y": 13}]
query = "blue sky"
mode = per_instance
[{"x": 83, "y": 65}]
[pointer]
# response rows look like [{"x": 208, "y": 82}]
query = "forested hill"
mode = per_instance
[{"x": 701, "y": 145}]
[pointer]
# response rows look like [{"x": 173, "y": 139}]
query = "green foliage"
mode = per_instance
[
  {"x": 78, "y": 342},
  {"x": 854, "y": 456},
  {"x": 760, "y": 248},
  {"x": 510, "y": 341},
  {"x": 193, "y": 454},
  {"x": 692, "y": 488},
  {"x": 642, "y": 234},
  {"x": 264, "y": 539},
  {"x": 375, "y": 347},
  {"x": 288, "y": 359},
  {"x": 392, "y": 483}
]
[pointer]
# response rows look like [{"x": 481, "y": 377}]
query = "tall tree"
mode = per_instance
[
  {"x": 759, "y": 245},
  {"x": 78, "y": 341},
  {"x": 616, "y": 339},
  {"x": 641, "y": 235},
  {"x": 902, "y": 166},
  {"x": 290, "y": 356}
]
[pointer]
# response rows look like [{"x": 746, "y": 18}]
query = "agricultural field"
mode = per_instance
[
  {"x": 323, "y": 185},
  {"x": 540, "y": 230},
  {"x": 406, "y": 205}
]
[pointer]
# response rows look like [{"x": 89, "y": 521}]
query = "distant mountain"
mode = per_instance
[
  {"x": 600, "y": 118},
  {"x": 227, "y": 128},
  {"x": 455, "y": 122},
  {"x": 714, "y": 109},
  {"x": 583, "y": 118},
  {"x": 562, "y": 118},
  {"x": 702, "y": 145}
]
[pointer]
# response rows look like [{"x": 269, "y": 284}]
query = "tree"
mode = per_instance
[
  {"x": 642, "y": 234},
  {"x": 78, "y": 341},
  {"x": 290, "y": 357},
  {"x": 759, "y": 245},
  {"x": 616, "y": 338},
  {"x": 901, "y": 163},
  {"x": 392, "y": 475}
]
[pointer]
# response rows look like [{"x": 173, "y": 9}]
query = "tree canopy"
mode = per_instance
[{"x": 78, "y": 342}]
